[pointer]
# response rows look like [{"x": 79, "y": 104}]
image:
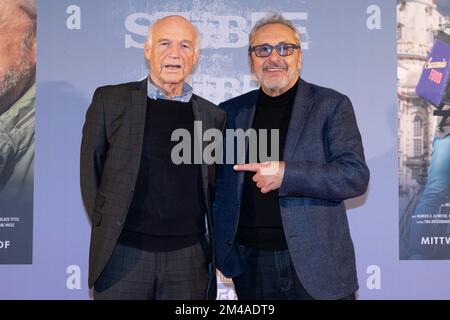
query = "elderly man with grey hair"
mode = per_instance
[
  {"x": 281, "y": 225},
  {"x": 151, "y": 218},
  {"x": 17, "y": 121}
]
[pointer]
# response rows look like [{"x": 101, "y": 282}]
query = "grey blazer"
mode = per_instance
[{"x": 109, "y": 164}]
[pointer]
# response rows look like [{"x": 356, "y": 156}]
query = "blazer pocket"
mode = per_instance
[
  {"x": 99, "y": 201},
  {"x": 97, "y": 218}
]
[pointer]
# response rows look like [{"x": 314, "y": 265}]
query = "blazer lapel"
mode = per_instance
[
  {"x": 300, "y": 112},
  {"x": 137, "y": 123},
  {"x": 245, "y": 116},
  {"x": 199, "y": 115},
  {"x": 244, "y": 121}
]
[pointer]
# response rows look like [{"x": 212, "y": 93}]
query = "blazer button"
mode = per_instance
[{"x": 229, "y": 242}]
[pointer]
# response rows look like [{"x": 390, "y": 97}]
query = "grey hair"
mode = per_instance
[{"x": 273, "y": 18}]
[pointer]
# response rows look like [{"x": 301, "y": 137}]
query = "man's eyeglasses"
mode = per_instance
[{"x": 265, "y": 50}]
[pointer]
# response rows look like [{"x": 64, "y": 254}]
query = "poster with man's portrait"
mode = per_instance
[{"x": 17, "y": 124}]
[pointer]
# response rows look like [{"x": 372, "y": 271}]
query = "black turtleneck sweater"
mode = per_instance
[{"x": 260, "y": 223}]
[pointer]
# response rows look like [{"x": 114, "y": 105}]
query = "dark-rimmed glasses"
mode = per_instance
[{"x": 265, "y": 50}]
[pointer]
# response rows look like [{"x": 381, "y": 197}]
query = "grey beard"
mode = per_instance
[
  {"x": 15, "y": 75},
  {"x": 275, "y": 85},
  {"x": 21, "y": 70}
]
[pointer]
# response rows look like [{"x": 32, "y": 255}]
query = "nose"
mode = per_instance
[
  {"x": 174, "y": 51},
  {"x": 274, "y": 56}
]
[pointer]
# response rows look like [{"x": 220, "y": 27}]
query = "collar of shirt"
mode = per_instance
[
  {"x": 153, "y": 92},
  {"x": 17, "y": 133},
  {"x": 18, "y": 117}
]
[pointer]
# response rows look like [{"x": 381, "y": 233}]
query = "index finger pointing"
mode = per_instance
[{"x": 252, "y": 167}]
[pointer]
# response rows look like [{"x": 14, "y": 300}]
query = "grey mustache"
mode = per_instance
[{"x": 274, "y": 65}]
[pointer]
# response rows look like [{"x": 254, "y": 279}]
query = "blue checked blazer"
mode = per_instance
[{"x": 324, "y": 166}]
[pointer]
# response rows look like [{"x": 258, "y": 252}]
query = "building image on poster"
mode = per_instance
[
  {"x": 17, "y": 123},
  {"x": 424, "y": 128}
]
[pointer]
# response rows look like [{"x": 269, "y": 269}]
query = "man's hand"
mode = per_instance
[{"x": 268, "y": 175}]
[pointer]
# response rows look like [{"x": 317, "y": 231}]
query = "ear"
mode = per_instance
[
  {"x": 147, "y": 50},
  {"x": 300, "y": 59},
  {"x": 196, "y": 56},
  {"x": 250, "y": 62}
]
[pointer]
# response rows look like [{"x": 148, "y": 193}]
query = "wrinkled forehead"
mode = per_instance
[
  {"x": 274, "y": 33},
  {"x": 174, "y": 28},
  {"x": 11, "y": 15}
]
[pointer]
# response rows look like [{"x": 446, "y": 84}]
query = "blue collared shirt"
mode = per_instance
[{"x": 153, "y": 92}]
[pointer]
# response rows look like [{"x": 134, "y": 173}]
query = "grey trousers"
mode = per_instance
[{"x": 134, "y": 274}]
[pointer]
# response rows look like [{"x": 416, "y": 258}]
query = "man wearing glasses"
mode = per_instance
[{"x": 281, "y": 226}]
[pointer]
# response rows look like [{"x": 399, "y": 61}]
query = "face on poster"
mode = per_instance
[{"x": 17, "y": 123}]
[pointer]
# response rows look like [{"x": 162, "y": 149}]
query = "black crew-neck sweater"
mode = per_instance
[{"x": 167, "y": 211}]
